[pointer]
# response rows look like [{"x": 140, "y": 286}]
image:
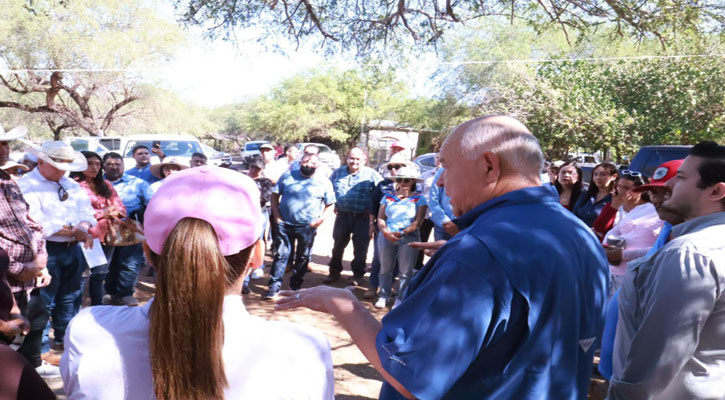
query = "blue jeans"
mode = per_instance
[
  {"x": 287, "y": 235},
  {"x": 406, "y": 256},
  {"x": 65, "y": 265},
  {"x": 440, "y": 234},
  {"x": 357, "y": 226},
  {"x": 126, "y": 263}
]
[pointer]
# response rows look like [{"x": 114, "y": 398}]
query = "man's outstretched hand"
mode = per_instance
[{"x": 429, "y": 248}]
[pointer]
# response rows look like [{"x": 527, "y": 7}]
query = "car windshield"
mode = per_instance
[
  {"x": 82, "y": 144},
  {"x": 323, "y": 148},
  {"x": 253, "y": 146},
  {"x": 182, "y": 148}
]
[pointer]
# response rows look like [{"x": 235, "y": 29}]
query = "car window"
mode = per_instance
[
  {"x": 182, "y": 148},
  {"x": 111, "y": 143},
  {"x": 86, "y": 145},
  {"x": 427, "y": 161},
  {"x": 252, "y": 146}
]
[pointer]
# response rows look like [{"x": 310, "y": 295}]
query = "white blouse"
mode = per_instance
[{"x": 107, "y": 356}]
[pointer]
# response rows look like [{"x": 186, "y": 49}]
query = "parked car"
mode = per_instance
[
  {"x": 86, "y": 144},
  {"x": 251, "y": 150},
  {"x": 425, "y": 162},
  {"x": 214, "y": 156},
  {"x": 327, "y": 156},
  {"x": 648, "y": 158},
  {"x": 179, "y": 146}
]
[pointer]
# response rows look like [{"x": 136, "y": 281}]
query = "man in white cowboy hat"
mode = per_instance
[
  {"x": 63, "y": 209},
  {"x": 164, "y": 169},
  {"x": 22, "y": 239}
]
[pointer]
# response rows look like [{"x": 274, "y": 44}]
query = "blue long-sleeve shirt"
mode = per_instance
[{"x": 439, "y": 203}]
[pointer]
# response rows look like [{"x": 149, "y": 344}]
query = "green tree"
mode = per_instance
[
  {"x": 39, "y": 37},
  {"x": 324, "y": 105},
  {"x": 365, "y": 25}
]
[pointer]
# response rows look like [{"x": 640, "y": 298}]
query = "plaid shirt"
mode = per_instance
[
  {"x": 20, "y": 236},
  {"x": 354, "y": 191}
]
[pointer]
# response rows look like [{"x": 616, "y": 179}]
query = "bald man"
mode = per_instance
[
  {"x": 354, "y": 184},
  {"x": 511, "y": 307}
]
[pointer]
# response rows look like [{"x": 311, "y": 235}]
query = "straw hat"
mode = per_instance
[
  {"x": 15, "y": 133},
  {"x": 59, "y": 154},
  {"x": 399, "y": 159},
  {"x": 12, "y": 165},
  {"x": 408, "y": 172},
  {"x": 156, "y": 168}
]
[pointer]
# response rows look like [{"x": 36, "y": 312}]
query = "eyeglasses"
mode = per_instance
[
  {"x": 628, "y": 172},
  {"x": 395, "y": 166},
  {"x": 62, "y": 193},
  {"x": 404, "y": 180}
]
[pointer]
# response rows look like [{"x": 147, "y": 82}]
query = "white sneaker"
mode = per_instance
[
  {"x": 107, "y": 300},
  {"x": 257, "y": 274},
  {"x": 48, "y": 371},
  {"x": 380, "y": 302}
]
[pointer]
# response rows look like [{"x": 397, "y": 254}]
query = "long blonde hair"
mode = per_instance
[{"x": 186, "y": 332}]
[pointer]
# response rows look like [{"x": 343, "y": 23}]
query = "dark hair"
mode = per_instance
[
  {"x": 289, "y": 146},
  {"x": 98, "y": 181},
  {"x": 577, "y": 189},
  {"x": 113, "y": 155},
  {"x": 639, "y": 180},
  {"x": 611, "y": 170},
  {"x": 137, "y": 148},
  {"x": 712, "y": 168},
  {"x": 199, "y": 155}
]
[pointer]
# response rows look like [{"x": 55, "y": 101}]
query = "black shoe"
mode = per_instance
[
  {"x": 332, "y": 277},
  {"x": 245, "y": 289},
  {"x": 357, "y": 281},
  {"x": 271, "y": 294}
]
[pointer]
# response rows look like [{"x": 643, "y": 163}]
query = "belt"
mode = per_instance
[
  {"x": 68, "y": 244},
  {"x": 353, "y": 214}
]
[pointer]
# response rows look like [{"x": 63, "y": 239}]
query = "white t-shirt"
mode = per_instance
[{"x": 107, "y": 356}]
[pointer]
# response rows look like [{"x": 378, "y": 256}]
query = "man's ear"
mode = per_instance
[
  {"x": 717, "y": 192},
  {"x": 491, "y": 166}
]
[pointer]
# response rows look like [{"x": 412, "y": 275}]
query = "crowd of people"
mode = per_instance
[{"x": 526, "y": 280}]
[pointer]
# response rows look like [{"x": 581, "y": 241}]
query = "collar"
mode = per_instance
[
  {"x": 35, "y": 173},
  {"x": 529, "y": 195},
  {"x": 698, "y": 224}
]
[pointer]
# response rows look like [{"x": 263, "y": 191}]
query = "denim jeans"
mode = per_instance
[
  {"x": 287, "y": 234},
  {"x": 65, "y": 265},
  {"x": 357, "y": 226},
  {"x": 126, "y": 263},
  {"x": 98, "y": 275},
  {"x": 440, "y": 234},
  {"x": 406, "y": 256}
]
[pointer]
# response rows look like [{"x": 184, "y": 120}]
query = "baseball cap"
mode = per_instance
[
  {"x": 399, "y": 144},
  {"x": 226, "y": 199},
  {"x": 257, "y": 163},
  {"x": 662, "y": 174},
  {"x": 266, "y": 146}
]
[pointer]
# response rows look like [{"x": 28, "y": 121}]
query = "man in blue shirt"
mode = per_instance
[
  {"x": 354, "y": 184},
  {"x": 511, "y": 307},
  {"x": 441, "y": 212},
  {"x": 127, "y": 261},
  {"x": 301, "y": 201},
  {"x": 143, "y": 164}
]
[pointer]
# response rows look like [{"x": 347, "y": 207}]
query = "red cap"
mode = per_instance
[{"x": 662, "y": 174}]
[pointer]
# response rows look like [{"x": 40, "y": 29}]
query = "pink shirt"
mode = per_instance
[
  {"x": 98, "y": 203},
  {"x": 639, "y": 228}
]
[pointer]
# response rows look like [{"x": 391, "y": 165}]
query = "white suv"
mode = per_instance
[
  {"x": 327, "y": 156},
  {"x": 178, "y": 146}
]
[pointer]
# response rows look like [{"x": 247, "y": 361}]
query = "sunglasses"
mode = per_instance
[
  {"x": 404, "y": 180},
  {"x": 62, "y": 193},
  {"x": 634, "y": 174},
  {"x": 392, "y": 167}
]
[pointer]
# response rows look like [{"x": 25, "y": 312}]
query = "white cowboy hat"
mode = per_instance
[
  {"x": 14, "y": 166},
  {"x": 156, "y": 168},
  {"x": 399, "y": 159},
  {"x": 15, "y": 133},
  {"x": 59, "y": 154},
  {"x": 408, "y": 172}
]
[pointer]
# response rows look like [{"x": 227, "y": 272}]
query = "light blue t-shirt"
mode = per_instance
[
  {"x": 303, "y": 199},
  {"x": 400, "y": 213}
]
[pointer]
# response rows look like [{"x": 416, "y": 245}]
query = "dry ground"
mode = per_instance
[{"x": 355, "y": 379}]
